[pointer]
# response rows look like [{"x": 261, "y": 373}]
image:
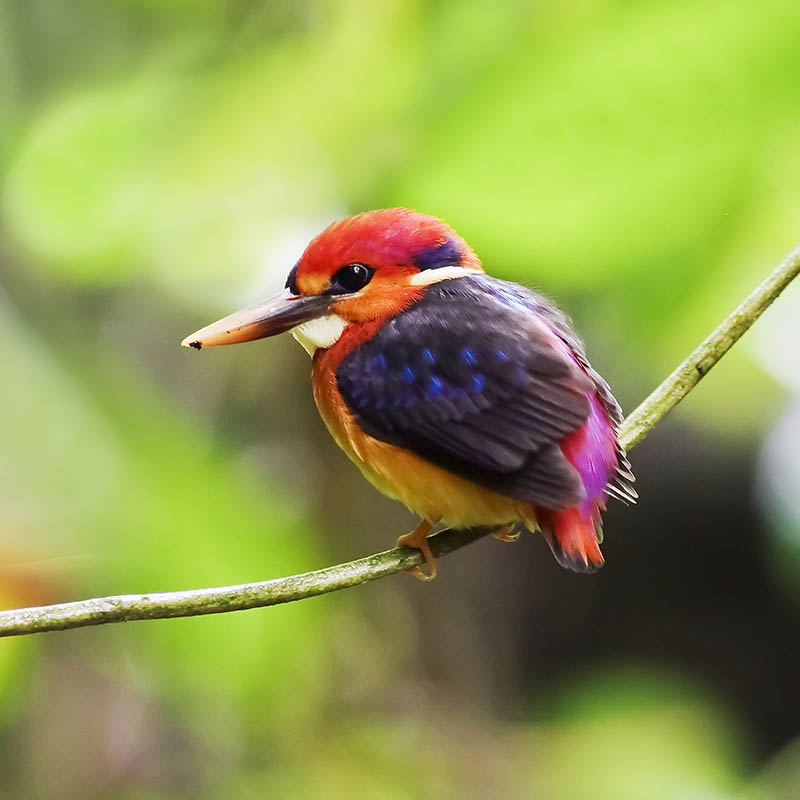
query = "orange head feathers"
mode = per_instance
[{"x": 359, "y": 269}]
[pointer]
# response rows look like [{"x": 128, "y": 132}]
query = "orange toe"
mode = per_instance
[
  {"x": 418, "y": 539},
  {"x": 506, "y": 533}
]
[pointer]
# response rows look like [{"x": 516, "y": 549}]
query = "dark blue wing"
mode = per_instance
[{"x": 475, "y": 377}]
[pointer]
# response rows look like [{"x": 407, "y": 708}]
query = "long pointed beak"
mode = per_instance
[{"x": 267, "y": 318}]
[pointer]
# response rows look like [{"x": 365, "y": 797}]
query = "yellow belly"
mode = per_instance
[{"x": 434, "y": 494}]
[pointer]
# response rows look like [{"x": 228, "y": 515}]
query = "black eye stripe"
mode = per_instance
[{"x": 350, "y": 278}]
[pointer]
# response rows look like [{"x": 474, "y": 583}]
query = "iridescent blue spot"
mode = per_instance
[
  {"x": 435, "y": 386},
  {"x": 501, "y": 355},
  {"x": 478, "y": 382},
  {"x": 379, "y": 362},
  {"x": 469, "y": 357},
  {"x": 446, "y": 254},
  {"x": 408, "y": 376},
  {"x": 428, "y": 357}
]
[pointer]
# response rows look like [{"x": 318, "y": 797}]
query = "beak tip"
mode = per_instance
[
  {"x": 189, "y": 341},
  {"x": 267, "y": 318}
]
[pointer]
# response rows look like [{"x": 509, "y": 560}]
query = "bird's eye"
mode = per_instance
[
  {"x": 291, "y": 281},
  {"x": 351, "y": 278}
]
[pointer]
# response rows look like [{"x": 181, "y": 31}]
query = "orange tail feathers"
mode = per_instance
[{"x": 574, "y": 537}]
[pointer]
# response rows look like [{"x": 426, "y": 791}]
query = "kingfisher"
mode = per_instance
[{"x": 468, "y": 398}]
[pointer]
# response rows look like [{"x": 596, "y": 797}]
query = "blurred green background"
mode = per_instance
[{"x": 162, "y": 163}]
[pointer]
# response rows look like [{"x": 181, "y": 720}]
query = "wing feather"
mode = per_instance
[{"x": 481, "y": 378}]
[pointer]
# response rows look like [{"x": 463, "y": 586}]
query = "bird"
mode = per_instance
[{"x": 468, "y": 398}]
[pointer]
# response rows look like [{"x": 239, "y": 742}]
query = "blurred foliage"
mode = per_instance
[{"x": 163, "y": 162}]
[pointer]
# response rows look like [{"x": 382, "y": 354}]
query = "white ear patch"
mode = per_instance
[
  {"x": 319, "y": 333},
  {"x": 429, "y": 276}
]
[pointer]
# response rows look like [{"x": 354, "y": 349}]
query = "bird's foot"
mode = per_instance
[
  {"x": 418, "y": 539},
  {"x": 506, "y": 533}
]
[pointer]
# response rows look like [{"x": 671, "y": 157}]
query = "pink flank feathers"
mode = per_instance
[{"x": 574, "y": 534}]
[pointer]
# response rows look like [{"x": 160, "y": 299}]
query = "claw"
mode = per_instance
[
  {"x": 506, "y": 533},
  {"x": 418, "y": 539}
]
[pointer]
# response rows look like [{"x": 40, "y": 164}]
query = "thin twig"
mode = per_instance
[
  {"x": 218, "y": 600},
  {"x": 698, "y": 364},
  {"x": 195, "y": 602}
]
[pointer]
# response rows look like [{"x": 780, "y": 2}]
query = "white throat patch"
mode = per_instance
[{"x": 319, "y": 333}]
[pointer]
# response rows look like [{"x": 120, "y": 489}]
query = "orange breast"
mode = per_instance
[{"x": 434, "y": 494}]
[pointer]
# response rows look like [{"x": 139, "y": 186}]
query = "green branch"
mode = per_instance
[
  {"x": 194, "y": 602},
  {"x": 700, "y": 361}
]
